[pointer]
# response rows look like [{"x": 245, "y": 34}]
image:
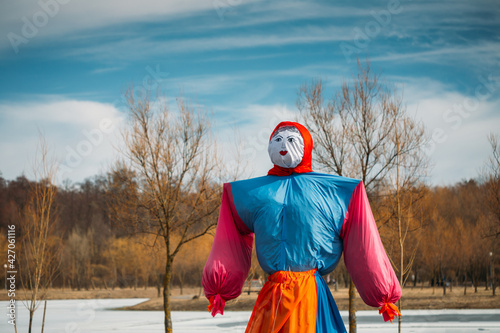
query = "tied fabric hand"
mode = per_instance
[
  {"x": 216, "y": 305},
  {"x": 389, "y": 311}
]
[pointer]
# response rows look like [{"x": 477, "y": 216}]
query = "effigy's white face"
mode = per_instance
[{"x": 286, "y": 147}]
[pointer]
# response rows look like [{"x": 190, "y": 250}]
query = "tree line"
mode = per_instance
[
  {"x": 451, "y": 235},
  {"x": 95, "y": 253}
]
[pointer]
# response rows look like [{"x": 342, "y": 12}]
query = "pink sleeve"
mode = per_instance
[
  {"x": 365, "y": 257},
  {"x": 229, "y": 261}
]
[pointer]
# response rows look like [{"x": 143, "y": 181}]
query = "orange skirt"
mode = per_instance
[{"x": 286, "y": 303}]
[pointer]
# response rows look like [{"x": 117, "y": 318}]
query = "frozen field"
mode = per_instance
[{"x": 79, "y": 316}]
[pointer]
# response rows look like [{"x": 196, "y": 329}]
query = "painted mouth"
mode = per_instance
[{"x": 283, "y": 152}]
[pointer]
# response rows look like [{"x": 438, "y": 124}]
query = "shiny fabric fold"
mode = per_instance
[
  {"x": 229, "y": 261},
  {"x": 286, "y": 303},
  {"x": 364, "y": 254},
  {"x": 328, "y": 319}
]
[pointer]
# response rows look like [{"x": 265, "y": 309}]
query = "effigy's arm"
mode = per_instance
[
  {"x": 365, "y": 257},
  {"x": 229, "y": 261}
]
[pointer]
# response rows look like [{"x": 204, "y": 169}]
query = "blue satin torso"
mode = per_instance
[{"x": 296, "y": 219}]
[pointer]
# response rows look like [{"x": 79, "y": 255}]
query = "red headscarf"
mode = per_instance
[{"x": 305, "y": 164}]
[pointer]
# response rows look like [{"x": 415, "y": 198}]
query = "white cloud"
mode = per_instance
[
  {"x": 459, "y": 125},
  {"x": 73, "y": 131},
  {"x": 242, "y": 80},
  {"x": 488, "y": 52},
  {"x": 80, "y": 135},
  {"x": 459, "y": 150},
  {"x": 136, "y": 47},
  {"x": 71, "y": 128},
  {"x": 65, "y": 17},
  {"x": 249, "y": 129},
  {"x": 79, "y": 15}
]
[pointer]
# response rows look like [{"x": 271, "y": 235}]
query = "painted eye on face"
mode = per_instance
[{"x": 286, "y": 148}]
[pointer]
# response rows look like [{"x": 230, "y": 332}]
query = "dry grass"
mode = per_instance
[
  {"x": 59, "y": 293},
  {"x": 417, "y": 298}
]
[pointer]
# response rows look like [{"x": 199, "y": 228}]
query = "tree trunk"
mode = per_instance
[
  {"x": 166, "y": 296},
  {"x": 401, "y": 276},
  {"x": 352, "y": 307},
  {"x": 493, "y": 274},
  {"x": 31, "y": 320},
  {"x": 493, "y": 282},
  {"x": 400, "y": 232},
  {"x": 487, "y": 274},
  {"x": 465, "y": 284},
  {"x": 135, "y": 280},
  {"x": 115, "y": 270},
  {"x": 44, "y": 310},
  {"x": 399, "y": 317}
]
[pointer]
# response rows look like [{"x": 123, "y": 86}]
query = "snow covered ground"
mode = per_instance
[{"x": 96, "y": 316}]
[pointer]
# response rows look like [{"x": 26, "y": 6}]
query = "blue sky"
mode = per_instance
[{"x": 65, "y": 63}]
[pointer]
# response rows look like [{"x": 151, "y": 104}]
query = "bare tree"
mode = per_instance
[
  {"x": 169, "y": 188},
  {"x": 411, "y": 164},
  {"x": 77, "y": 255},
  {"x": 39, "y": 253},
  {"x": 355, "y": 133},
  {"x": 492, "y": 181}
]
